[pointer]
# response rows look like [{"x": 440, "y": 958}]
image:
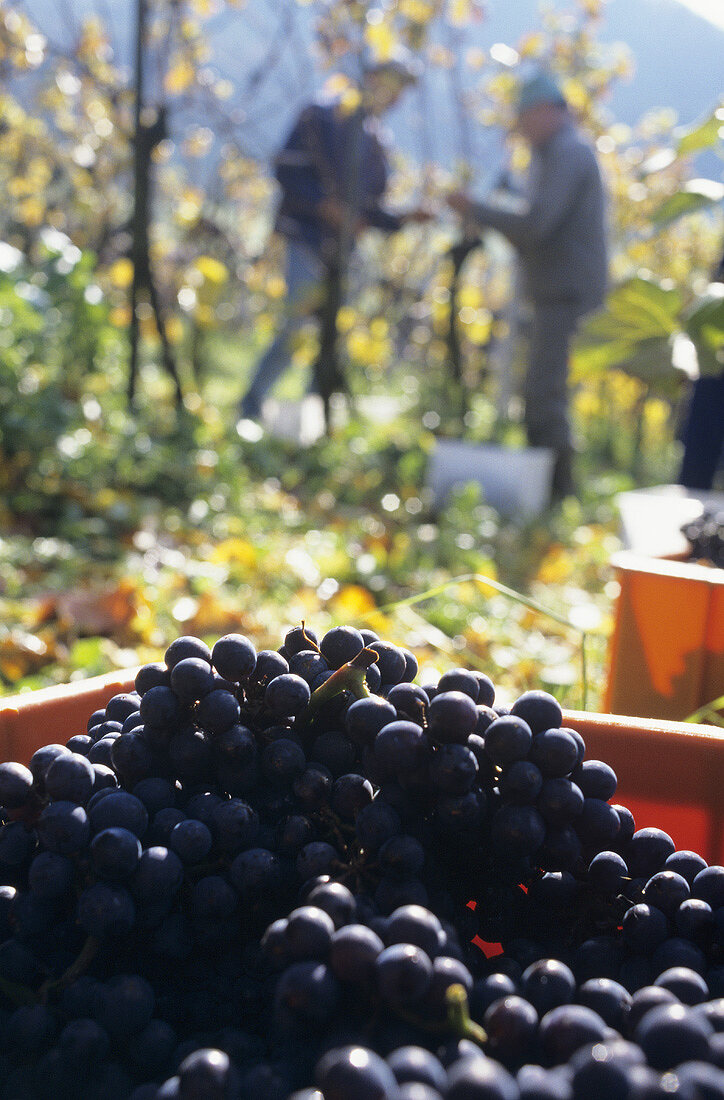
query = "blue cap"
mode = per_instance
[{"x": 539, "y": 89}]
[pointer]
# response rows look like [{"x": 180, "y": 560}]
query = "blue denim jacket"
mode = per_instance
[{"x": 331, "y": 154}]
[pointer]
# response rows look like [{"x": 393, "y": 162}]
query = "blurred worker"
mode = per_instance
[
  {"x": 703, "y": 435},
  {"x": 559, "y": 234},
  {"x": 333, "y": 173}
]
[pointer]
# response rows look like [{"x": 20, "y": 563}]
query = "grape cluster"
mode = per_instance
[
  {"x": 706, "y": 536},
  {"x": 277, "y": 874}
]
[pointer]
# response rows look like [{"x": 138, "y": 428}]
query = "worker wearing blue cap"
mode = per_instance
[{"x": 560, "y": 236}]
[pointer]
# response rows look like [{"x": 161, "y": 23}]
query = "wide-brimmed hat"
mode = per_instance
[
  {"x": 541, "y": 88},
  {"x": 400, "y": 69}
]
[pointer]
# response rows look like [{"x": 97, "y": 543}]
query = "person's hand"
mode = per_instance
[
  {"x": 332, "y": 212},
  {"x": 419, "y": 215},
  {"x": 460, "y": 202}
]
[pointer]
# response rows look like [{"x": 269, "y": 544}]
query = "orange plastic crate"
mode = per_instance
[
  {"x": 666, "y": 658},
  {"x": 670, "y": 774}
]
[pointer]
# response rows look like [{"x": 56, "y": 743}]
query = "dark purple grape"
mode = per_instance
[
  {"x": 666, "y": 890},
  {"x": 560, "y": 801},
  {"x": 283, "y": 761},
  {"x": 409, "y": 700},
  {"x": 63, "y": 827},
  {"x": 307, "y": 995},
  {"x": 340, "y": 644},
  {"x": 460, "y": 679},
  {"x": 647, "y": 852},
  {"x": 511, "y": 1024},
  {"x": 521, "y": 782},
  {"x": 567, "y": 1028},
  {"x": 555, "y": 753},
  {"x": 415, "y": 925},
  {"x": 106, "y": 910},
  {"x": 401, "y": 856},
  {"x": 452, "y": 716},
  {"x": 596, "y": 779},
  {"x": 366, "y": 717},
  {"x": 643, "y": 1000},
  {"x": 350, "y": 794},
  {"x": 517, "y": 830},
  {"x": 353, "y": 952},
  {"x": 548, "y": 983},
  {"x": 119, "y": 809},
  {"x": 507, "y": 739},
  {"x": 115, "y": 853},
  {"x": 300, "y": 637},
  {"x": 401, "y": 747},
  {"x": 218, "y": 711},
  {"x": 184, "y": 647},
  {"x": 608, "y": 998},
  {"x": 539, "y": 710},
  {"x": 414, "y": 1063},
  {"x": 355, "y": 1073},
  {"x": 310, "y": 665},
  {"x": 403, "y": 973},
  {"x": 672, "y": 1034},
  {"x": 16, "y": 783},
  {"x": 480, "y": 1076},
  {"x": 191, "y": 841},
  {"x": 685, "y": 863},
  {"x": 160, "y": 706},
  {"x": 41, "y": 760},
  {"x": 598, "y": 825},
  {"x": 154, "y": 674},
  {"x": 688, "y": 986},
  {"x": 192, "y": 679},
  {"x": 50, "y": 876},
  {"x": 607, "y": 871},
  {"x": 709, "y": 886},
  {"x": 234, "y": 657},
  {"x": 287, "y": 695}
]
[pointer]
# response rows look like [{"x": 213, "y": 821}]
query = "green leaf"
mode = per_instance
[
  {"x": 695, "y": 195},
  {"x": 705, "y": 327},
  {"x": 704, "y": 134},
  {"x": 639, "y": 309}
]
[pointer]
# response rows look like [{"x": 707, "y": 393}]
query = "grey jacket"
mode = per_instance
[{"x": 560, "y": 234}]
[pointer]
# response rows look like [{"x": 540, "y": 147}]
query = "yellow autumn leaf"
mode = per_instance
[
  {"x": 417, "y": 11},
  {"x": 31, "y": 211},
  {"x": 381, "y": 40},
  {"x": 175, "y": 330},
  {"x": 179, "y": 76},
  {"x": 120, "y": 316},
  {"x": 234, "y": 550},
  {"x": 212, "y": 270},
  {"x": 189, "y": 207},
  {"x": 556, "y": 566},
  {"x": 351, "y": 602},
  {"x": 459, "y": 12},
  {"x": 121, "y": 273}
]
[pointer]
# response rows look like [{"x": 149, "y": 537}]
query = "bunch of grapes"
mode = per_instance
[
  {"x": 273, "y": 874},
  {"x": 706, "y": 537}
]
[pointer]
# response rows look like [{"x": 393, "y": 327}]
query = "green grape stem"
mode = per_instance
[
  {"x": 458, "y": 1016},
  {"x": 350, "y": 677},
  {"x": 81, "y": 964}
]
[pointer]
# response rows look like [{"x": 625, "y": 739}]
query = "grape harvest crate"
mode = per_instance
[
  {"x": 666, "y": 657},
  {"x": 670, "y": 774}
]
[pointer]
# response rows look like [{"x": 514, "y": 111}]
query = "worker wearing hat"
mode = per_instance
[
  {"x": 559, "y": 234},
  {"x": 332, "y": 172}
]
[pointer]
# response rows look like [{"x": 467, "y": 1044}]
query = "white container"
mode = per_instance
[
  {"x": 515, "y": 481},
  {"x": 651, "y": 519},
  {"x": 299, "y": 422}
]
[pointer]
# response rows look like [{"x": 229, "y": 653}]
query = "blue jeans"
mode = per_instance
[
  {"x": 703, "y": 434},
  {"x": 304, "y": 275}
]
